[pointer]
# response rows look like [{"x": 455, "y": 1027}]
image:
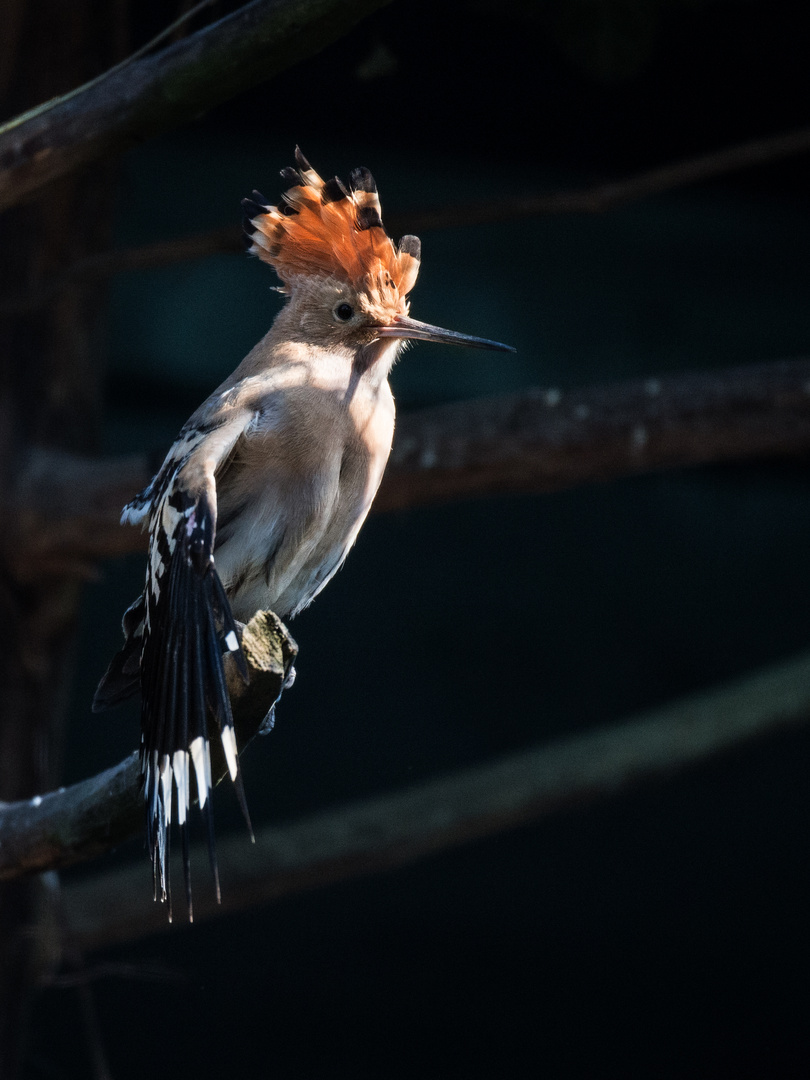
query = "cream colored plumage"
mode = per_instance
[{"x": 262, "y": 495}]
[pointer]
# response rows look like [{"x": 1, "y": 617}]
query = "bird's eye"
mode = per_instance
[{"x": 344, "y": 312}]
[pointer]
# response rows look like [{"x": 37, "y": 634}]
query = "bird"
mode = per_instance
[{"x": 264, "y": 491}]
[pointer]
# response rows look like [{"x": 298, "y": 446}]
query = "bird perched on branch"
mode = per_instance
[{"x": 264, "y": 491}]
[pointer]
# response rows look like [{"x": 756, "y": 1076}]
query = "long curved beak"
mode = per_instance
[{"x": 413, "y": 330}]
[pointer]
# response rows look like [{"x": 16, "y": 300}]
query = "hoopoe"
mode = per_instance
[{"x": 264, "y": 491}]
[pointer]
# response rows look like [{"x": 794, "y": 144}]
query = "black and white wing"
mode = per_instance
[{"x": 179, "y": 630}]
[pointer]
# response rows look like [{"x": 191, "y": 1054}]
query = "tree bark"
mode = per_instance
[
  {"x": 85, "y": 820},
  {"x": 159, "y": 92}
]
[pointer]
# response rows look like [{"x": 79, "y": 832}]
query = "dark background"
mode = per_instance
[{"x": 662, "y": 933}]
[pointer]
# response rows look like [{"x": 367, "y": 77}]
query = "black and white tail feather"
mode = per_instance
[{"x": 177, "y": 633}]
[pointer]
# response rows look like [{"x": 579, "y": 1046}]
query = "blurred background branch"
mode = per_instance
[
  {"x": 157, "y": 92},
  {"x": 66, "y": 509},
  {"x": 113, "y": 907}
]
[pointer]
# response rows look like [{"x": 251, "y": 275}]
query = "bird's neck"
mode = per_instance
[{"x": 285, "y": 344}]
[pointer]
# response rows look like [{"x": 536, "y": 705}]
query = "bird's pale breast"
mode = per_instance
[{"x": 297, "y": 490}]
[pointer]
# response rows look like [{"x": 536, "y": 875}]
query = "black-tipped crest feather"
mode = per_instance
[
  {"x": 368, "y": 217},
  {"x": 333, "y": 191},
  {"x": 411, "y": 245},
  {"x": 291, "y": 177},
  {"x": 253, "y": 209},
  {"x": 360, "y": 179}
]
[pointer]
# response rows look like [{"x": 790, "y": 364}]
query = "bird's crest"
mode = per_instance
[{"x": 328, "y": 229}]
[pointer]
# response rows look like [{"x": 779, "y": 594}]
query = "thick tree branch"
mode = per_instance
[
  {"x": 82, "y": 821},
  {"x": 67, "y": 509},
  {"x": 115, "y": 906},
  {"x": 158, "y": 92},
  {"x": 545, "y": 440}
]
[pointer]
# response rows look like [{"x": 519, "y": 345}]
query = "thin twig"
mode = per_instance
[
  {"x": 114, "y": 907},
  {"x": 609, "y": 196},
  {"x": 591, "y": 200},
  {"x": 160, "y": 91},
  {"x": 66, "y": 515}
]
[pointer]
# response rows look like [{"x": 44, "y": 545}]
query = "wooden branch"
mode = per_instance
[
  {"x": 600, "y": 198},
  {"x": 158, "y": 92},
  {"x": 82, "y": 821},
  {"x": 67, "y": 509},
  {"x": 115, "y": 906},
  {"x": 546, "y": 440}
]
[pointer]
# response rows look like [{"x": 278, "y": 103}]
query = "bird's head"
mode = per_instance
[{"x": 347, "y": 280}]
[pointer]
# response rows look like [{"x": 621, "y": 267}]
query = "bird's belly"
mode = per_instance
[
  {"x": 280, "y": 552},
  {"x": 289, "y": 587},
  {"x": 289, "y": 515}
]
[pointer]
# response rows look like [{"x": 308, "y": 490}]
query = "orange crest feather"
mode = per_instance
[{"x": 330, "y": 230}]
